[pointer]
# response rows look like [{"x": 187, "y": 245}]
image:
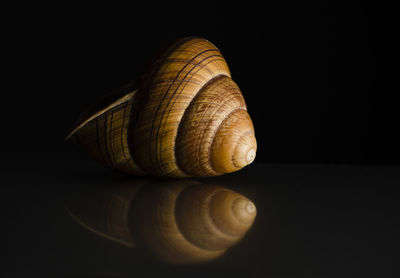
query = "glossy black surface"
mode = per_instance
[{"x": 312, "y": 221}]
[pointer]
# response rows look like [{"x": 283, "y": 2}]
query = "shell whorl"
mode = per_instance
[
  {"x": 215, "y": 130},
  {"x": 199, "y": 222},
  {"x": 187, "y": 118},
  {"x": 189, "y": 94},
  {"x": 178, "y": 222},
  {"x": 103, "y": 133},
  {"x": 214, "y": 212}
]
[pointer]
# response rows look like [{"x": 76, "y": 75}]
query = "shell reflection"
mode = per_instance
[{"x": 179, "y": 221}]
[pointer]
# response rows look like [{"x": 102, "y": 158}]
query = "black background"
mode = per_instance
[
  {"x": 316, "y": 76},
  {"x": 320, "y": 82}
]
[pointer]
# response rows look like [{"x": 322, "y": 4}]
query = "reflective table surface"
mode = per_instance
[{"x": 312, "y": 221}]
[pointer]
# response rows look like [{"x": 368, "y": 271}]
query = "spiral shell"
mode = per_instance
[
  {"x": 187, "y": 118},
  {"x": 179, "y": 222}
]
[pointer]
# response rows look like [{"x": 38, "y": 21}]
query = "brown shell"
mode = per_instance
[
  {"x": 187, "y": 118},
  {"x": 179, "y": 222}
]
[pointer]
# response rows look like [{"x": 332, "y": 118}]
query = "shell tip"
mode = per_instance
[
  {"x": 250, "y": 208},
  {"x": 245, "y": 151},
  {"x": 244, "y": 210},
  {"x": 251, "y": 155}
]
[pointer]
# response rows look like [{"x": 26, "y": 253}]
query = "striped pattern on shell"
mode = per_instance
[
  {"x": 180, "y": 222},
  {"x": 187, "y": 118}
]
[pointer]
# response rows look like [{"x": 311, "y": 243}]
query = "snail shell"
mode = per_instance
[
  {"x": 186, "y": 118},
  {"x": 180, "y": 222}
]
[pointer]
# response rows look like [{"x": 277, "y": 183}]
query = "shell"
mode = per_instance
[
  {"x": 179, "y": 222},
  {"x": 187, "y": 118}
]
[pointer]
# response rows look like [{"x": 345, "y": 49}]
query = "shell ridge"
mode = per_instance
[
  {"x": 178, "y": 225},
  {"x": 185, "y": 83},
  {"x": 126, "y": 147},
  {"x": 188, "y": 250},
  {"x": 215, "y": 133},
  {"x": 103, "y": 136},
  {"x": 178, "y": 134},
  {"x": 237, "y": 218},
  {"x": 107, "y": 139},
  {"x": 81, "y": 123},
  {"x": 164, "y": 56},
  {"x": 111, "y": 149},
  {"x": 148, "y": 84},
  {"x": 213, "y": 225},
  {"x": 188, "y": 62},
  {"x": 233, "y": 153},
  {"x": 202, "y": 138},
  {"x": 122, "y": 138},
  {"x": 161, "y": 102},
  {"x": 110, "y": 138},
  {"x": 164, "y": 122},
  {"x": 159, "y": 141},
  {"x": 169, "y": 81}
]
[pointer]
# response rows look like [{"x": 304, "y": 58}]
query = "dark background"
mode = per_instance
[
  {"x": 320, "y": 81},
  {"x": 316, "y": 76}
]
